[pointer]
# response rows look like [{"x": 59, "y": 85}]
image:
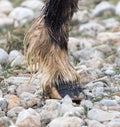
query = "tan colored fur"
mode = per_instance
[{"x": 53, "y": 61}]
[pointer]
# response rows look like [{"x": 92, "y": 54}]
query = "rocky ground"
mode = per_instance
[{"x": 94, "y": 49}]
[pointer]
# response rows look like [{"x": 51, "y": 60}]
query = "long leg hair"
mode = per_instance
[{"x": 46, "y": 45}]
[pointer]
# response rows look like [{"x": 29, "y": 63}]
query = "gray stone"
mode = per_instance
[
  {"x": 49, "y": 111},
  {"x": 28, "y": 118},
  {"x": 35, "y": 5},
  {"x": 107, "y": 102},
  {"x": 104, "y": 48},
  {"x": 1, "y": 94},
  {"x": 110, "y": 23},
  {"x": 110, "y": 72},
  {"x": 118, "y": 9},
  {"x": 4, "y": 122},
  {"x": 13, "y": 54},
  {"x": 5, "y": 6},
  {"x": 91, "y": 29},
  {"x": 18, "y": 61},
  {"x": 117, "y": 61},
  {"x": 109, "y": 37},
  {"x": 67, "y": 108},
  {"x": 6, "y": 22},
  {"x": 98, "y": 92},
  {"x": 28, "y": 99},
  {"x": 94, "y": 123},
  {"x": 103, "y": 7},
  {"x": 87, "y": 103},
  {"x": 100, "y": 115},
  {"x": 88, "y": 53},
  {"x": 22, "y": 15},
  {"x": 2, "y": 114},
  {"x": 13, "y": 113},
  {"x": 30, "y": 88},
  {"x": 81, "y": 17},
  {"x": 3, "y": 56},
  {"x": 12, "y": 89},
  {"x": 73, "y": 44},
  {"x": 3, "y": 104},
  {"x": 114, "y": 123},
  {"x": 118, "y": 51},
  {"x": 66, "y": 122}
]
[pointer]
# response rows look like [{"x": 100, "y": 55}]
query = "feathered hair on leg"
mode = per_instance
[{"x": 46, "y": 45}]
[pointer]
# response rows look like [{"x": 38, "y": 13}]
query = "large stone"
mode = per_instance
[
  {"x": 13, "y": 113},
  {"x": 13, "y": 101},
  {"x": 3, "y": 104},
  {"x": 33, "y": 4},
  {"x": 118, "y": 9},
  {"x": 91, "y": 29},
  {"x": 110, "y": 23},
  {"x": 103, "y": 7},
  {"x": 22, "y": 15},
  {"x": 73, "y": 44},
  {"x": 4, "y": 122},
  {"x": 66, "y": 122},
  {"x": 88, "y": 54},
  {"x": 28, "y": 118},
  {"x": 81, "y": 17},
  {"x": 3, "y": 56},
  {"x": 114, "y": 123},
  {"x": 94, "y": 123},
  {"x": 50, "y": 111},
  {"x": 13, "y": 54},
  {"x": 109, "y": 37},
  {"x": 5, "y": 6},
  {"x": 6, "y": 22},
  {"x": 107, "y": 102},
  {"x": 100, "y": 115},
  {"x": 18, "y": 61}
]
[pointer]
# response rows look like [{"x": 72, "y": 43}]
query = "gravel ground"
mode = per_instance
[{"x": 94, "y": 49}]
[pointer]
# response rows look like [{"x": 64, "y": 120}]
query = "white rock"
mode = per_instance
[
  {"x": 1, "y": 94},
  {"x": 109, "y": 37},
  {"x": 5, "y": 6},
  {"x": 22, "y": 15},
  {"x": 33, "y": 4},
  {"x": 87, "y": 53},
  {"x": 114, "y": 123},
  {"x": 66, "y": 122},
  {"x": 110, "y": 23},
  {"x": 28, "y": 118},
  {"x": 94, "y": 123},
  {"x": 50, "y": 111},
  {"x": 81, "y": 16},
  {"x": 19, "y": 60},
  {"x": 87, "y": 103},
  {"x": 13, "y": 54},
  {"x": 107, "y": 102},
  {"x": 118, "y": 51},
  {"x": 100, "y": 115},
  {"x": 73, "y": 44},
  {"x": 3, "y": 15},
  {"x": 98, "y": 92},
  {"x": 110, "y": 72},
  {"x": 3, "y": 56},
  {"x": 4, "y": 121},
  {"x": 91, "y": 28},
  {"x": 67, "y": 108},
  {"x": 103, "y": 7},
  {"x": 6, "y": 22},
  {"x": 13, "y": 113},
  {"x": 118, "y": 9},
  {"x": 3, "y": 103}
]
